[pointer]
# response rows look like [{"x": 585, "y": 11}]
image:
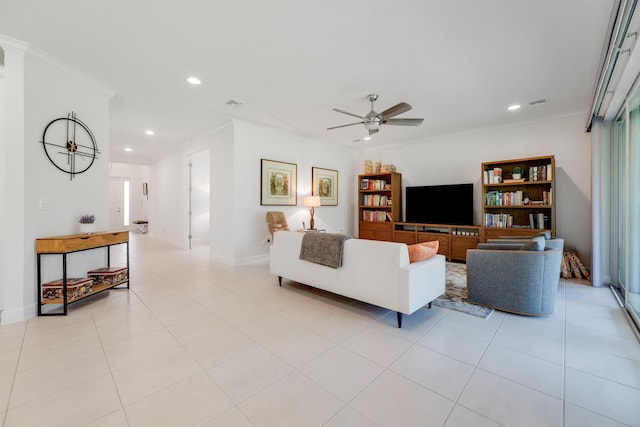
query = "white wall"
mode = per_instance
[
  {"x": 255, "y": 142},
  {"x": 168, "y": 183},
  {"x": 200, "y": 197},
  {"x": 222, "y": 203},
  {"x": 457, "y": 159},
  {"x": 38, "y": 90}
]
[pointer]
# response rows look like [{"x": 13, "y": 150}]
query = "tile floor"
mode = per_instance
[{"x": 195, "y": 343}]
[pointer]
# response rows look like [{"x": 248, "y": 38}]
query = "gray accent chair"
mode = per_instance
[{"x": 507, "y": 278}]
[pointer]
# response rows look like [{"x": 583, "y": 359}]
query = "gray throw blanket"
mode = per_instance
[{"x": 323, "y": 248}]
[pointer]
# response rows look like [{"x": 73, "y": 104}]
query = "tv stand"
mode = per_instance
[{"x": 454, "y": 239}]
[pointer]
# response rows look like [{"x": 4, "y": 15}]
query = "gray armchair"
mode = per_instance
[{"x": 508, "y": 278}]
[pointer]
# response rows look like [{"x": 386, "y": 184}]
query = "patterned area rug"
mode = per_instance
[{"x": 455, "y": 296}]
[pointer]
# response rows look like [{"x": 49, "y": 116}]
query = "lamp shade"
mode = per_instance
[{"x": 312, "y": 201}]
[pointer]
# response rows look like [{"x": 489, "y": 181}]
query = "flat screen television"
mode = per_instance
[{"x": 440, "y": 204}]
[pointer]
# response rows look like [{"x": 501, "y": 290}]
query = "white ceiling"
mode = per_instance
[{"x": 458, "y": 63}]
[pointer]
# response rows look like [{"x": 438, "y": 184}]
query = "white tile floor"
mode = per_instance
[{"x": 195, "y": 343}]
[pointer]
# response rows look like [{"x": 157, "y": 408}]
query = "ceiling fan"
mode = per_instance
[{"x": 373, "y": 120}]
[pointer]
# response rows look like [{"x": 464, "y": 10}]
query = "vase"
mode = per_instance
[
  {"x": 87, "y": 228},
  {"x": 515, "y": 175}
]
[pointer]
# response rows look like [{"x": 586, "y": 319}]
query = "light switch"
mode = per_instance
[{"x": 44, "y": 204}]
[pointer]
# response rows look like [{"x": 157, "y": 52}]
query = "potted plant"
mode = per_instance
[
  {"x": 516, "y": 172},
  {"x": 87, "y": 225}
]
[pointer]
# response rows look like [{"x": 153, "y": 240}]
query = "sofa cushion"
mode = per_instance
[
  {"x": 422, "y": 251},
  {"x": 545, "y": 234},
  {"x": 535, "y": 244}
]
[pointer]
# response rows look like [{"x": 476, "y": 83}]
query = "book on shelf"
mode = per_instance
[
  {"x": 541, "y": 173},
  {"x": 498, "y": 220},
  {"x": 373, "y": 184},
  {"x": 499, "y": 198},
  {"x": 374, "y": 200},
  {"x": 374, "y": 216},
  {"x": 494, "y": 176},
  {"x": 539, "y": 221},
  {"x": 513, "y": 180}
]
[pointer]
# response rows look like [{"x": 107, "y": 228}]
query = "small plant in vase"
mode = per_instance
[
  {"x": 87, "y": 223},
  {"x": 516, "y": 173}
]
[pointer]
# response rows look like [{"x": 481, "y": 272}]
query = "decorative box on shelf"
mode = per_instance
[
  {"x": 109, "y": 275},
  {"x": 76, "y": 287}
]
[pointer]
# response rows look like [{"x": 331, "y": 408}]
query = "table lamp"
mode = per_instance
[{"x": 312, "y": 202}]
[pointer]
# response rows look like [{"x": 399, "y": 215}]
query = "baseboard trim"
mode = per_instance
[{"x": 17, "y": 314}]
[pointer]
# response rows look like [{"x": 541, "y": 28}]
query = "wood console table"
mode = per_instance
[{"x": 63, "y": 245}]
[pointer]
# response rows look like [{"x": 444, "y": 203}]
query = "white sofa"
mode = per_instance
[{"x": 374, "y": 272}]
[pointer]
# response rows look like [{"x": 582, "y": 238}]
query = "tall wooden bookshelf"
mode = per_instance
[
  {"x": 379, "y": 205},
  {"x": 522, "y": 206}
]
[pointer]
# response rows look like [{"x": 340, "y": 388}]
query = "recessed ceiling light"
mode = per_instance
[
  {"x": 149, "y": 132},
  {"x": 194, "y": 80},
  {"x": 513, "y": 107},
  {"x": 367, "y": 138},
  {"x": 128, "y": 149}
]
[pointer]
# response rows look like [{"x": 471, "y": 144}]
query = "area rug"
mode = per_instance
[{"x": 455, "y": 294}]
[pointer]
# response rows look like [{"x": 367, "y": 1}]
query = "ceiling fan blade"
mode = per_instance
[
  {"x": 403, "y": 122},
  {"x": 403, "y": 107},
  {"x": 342, "y": 126},
  {"x": 346, "y": 112},
  {"x": 372, "y": 131}
]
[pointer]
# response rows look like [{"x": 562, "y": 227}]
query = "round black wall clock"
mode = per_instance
[{"x": 70, "y": 145}]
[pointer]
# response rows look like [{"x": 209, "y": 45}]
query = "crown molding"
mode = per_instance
[{"x": 9, "y": 44}]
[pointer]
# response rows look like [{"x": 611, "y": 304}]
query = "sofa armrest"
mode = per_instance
[{"x": 421, "y": 282}]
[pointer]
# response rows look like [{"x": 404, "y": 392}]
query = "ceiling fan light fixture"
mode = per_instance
[
  {"x": 373, "y": 120},
  {"x": 372, "y": 125}
]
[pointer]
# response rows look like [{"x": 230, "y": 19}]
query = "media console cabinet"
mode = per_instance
[
  {"x": 64, "y": 245},
  {"x": 454, "y": 239}
]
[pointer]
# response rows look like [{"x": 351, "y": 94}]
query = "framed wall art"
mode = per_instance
[
  {"x": 278, "y": 183},
  {"x": 325, "y": 185}
]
